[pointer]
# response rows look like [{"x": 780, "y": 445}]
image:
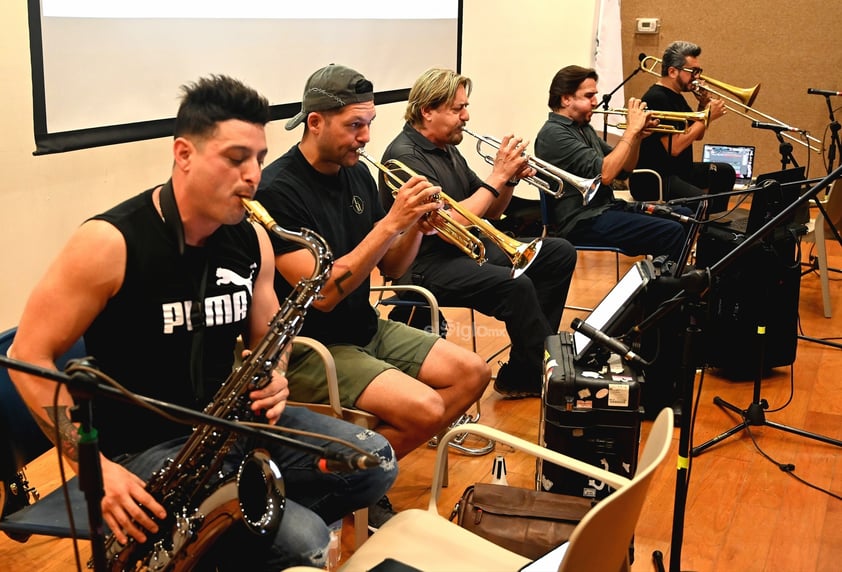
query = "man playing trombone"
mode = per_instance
[
  {"x": 568, "y": 141},
  {"x": 671, "y": 154},
  {"x": 530, "y": 304}
]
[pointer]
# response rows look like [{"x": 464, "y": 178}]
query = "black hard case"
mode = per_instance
[{"x": 589, "y": 416}]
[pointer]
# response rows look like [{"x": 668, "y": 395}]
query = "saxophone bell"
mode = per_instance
[{"x": 261, "y": 493}]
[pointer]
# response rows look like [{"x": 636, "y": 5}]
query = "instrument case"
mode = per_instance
[{"x": 591, "y": 416}]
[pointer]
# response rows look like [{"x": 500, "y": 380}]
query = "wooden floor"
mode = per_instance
[{"x": 742, "y": 512}]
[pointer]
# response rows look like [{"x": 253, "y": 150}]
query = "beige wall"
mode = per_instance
[
  {"x": 507, "y": 52},
  {"x": 510, "y": 50}
]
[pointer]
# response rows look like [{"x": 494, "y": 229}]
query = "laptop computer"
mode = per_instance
[{"x": 741, "y": 157}]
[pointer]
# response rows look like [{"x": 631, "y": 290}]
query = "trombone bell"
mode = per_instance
[{"x": 745, "y": 94}]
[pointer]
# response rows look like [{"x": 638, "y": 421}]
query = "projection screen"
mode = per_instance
[{"x": 106, "y": 72}]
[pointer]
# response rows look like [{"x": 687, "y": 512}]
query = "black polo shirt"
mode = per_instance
[{"x": 444, "y": 167}]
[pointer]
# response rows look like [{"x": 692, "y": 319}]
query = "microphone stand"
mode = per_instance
[
  {"x": 606, "y": 98},
  {"x": 835, "y": 145},
  {"x": 785, "y": 149},
  {"x": 694, "y": 285},
  {"x": 83, "y": 386}
]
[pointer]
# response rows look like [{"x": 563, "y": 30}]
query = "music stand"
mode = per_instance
[{"x": 694, "y": 286}]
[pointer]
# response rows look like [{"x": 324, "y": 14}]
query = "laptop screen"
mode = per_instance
[{"x": 741, "y": 157}]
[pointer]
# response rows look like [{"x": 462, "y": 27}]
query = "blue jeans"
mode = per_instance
[{"x": 313, "y": 498}]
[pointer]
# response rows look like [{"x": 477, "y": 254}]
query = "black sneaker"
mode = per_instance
[
  {"x": 513, "y": 383},
  {"x": 379, "y": 513}
]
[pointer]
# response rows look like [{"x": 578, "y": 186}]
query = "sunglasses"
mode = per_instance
[{"x": 692, "y": 71}]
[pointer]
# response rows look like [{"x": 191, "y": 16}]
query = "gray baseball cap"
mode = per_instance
[{"x": 332, "y": 87}]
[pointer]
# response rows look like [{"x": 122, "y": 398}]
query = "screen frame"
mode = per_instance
[
  {"x": 47, "y": 142},
  {"x": 614, "y": 306}
]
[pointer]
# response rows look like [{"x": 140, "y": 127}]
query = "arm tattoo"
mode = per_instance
[
  {"x": 346, "y": 276},
  {"x": 68, "y": 433}
]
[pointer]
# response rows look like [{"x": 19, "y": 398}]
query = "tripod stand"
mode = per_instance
[{"x": 755, "y": 413}]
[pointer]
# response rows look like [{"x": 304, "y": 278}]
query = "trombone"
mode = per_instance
[
  {"x": 742, "y": 97},
  {"x": 520, "y": 254},
  {"x": 587, "y": 187},
  {"x": 683, "y": 117}
]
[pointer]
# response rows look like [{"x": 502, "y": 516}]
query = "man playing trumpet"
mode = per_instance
[
  {"x": 671, "y": 155},
  {"x": 530, "y": 304},
  {"x": 568, "y": 141}
]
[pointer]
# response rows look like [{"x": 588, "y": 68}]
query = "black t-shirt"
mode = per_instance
[
  {"x": 342, "y": 209},
  {"x": 653, "y": 155}
]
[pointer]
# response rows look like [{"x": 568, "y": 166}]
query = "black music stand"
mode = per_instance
[{"x": 694, "y": 286}]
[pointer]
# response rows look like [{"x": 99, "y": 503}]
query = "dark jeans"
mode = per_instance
[
  {"x": 530, "y": 305},
  {"x": 313, "y": 498},
  {"x": 636, "y": 233}
]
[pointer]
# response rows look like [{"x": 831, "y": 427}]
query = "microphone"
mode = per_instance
[
  {"x": 660, "y": 210},
  {"x": 813, "y": 91},
  {"x": 348, "y": 463},
  {"x": 773, "y": 127},
  {"x": 604, "y": 340},
  {"x": 641, "y": 56}
]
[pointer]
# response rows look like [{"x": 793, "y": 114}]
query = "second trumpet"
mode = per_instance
[
  {"x": 520, "y": 254},
  {"x": 683, "y": 118}
]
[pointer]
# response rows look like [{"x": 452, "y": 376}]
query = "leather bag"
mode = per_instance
[{"x": 524, "y": 521}]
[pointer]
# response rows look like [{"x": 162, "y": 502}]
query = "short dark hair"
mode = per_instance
[
  {"x": 217, "y": 98},
  {"x": 566, "y": 81},
  {"x": 675, "y": 55}
]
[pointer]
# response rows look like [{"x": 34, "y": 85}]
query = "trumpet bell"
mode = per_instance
[{"x": 524, "y": 255}]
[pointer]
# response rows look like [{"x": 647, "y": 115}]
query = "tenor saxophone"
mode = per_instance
[{"x": 199, "y": 507}]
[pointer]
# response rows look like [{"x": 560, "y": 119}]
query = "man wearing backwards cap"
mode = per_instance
[{"x": 415, "y": 382}]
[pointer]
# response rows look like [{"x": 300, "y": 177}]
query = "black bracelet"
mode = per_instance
[{"x": 490, "y": 189}]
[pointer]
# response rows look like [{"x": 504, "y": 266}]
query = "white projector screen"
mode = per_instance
[{"x": 106, "y": 72}]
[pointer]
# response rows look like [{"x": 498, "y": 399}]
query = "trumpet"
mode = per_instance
[
  {"x": 587, "y": 187},
  {"x": 520, "y": 254},
  {"x": 680, "y": 116},
  {"x": 741, "y": 97}
]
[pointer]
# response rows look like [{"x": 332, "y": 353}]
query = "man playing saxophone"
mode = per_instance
[
  {"x": 161, "y": 286},
  {"x": 530, "y": 304},
  {"x": 568, "y": 141}
]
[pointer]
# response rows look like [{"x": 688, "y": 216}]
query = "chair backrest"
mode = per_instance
[
  {"x": 833, "y": 205},
  {"x": 21, "y": 439},
  {"x": 609, "y": 527}
]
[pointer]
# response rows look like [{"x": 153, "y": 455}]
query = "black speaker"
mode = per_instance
[{"x": 752, "y": 306}]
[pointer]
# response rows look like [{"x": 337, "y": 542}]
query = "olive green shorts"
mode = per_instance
[{"x": 394, "y": 346}]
